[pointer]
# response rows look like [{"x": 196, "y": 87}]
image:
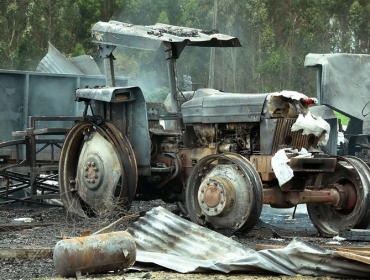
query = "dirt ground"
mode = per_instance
[{"x": 273, "y": 228}]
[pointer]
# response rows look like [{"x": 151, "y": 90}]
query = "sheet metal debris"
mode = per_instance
[
  {"x": 86, "y": 64},
  {"x": 55, "y": 62},
  {"x": 167, "y": 240}
]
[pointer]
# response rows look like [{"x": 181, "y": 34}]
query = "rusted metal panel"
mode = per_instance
[
  {"x": 95, "y": 254},
  {"x": 284, "y": 137},
  {"x": 262, "y": 163},
  {"x": 335, "y": 196},
  {"x": 150, "y": 37}
]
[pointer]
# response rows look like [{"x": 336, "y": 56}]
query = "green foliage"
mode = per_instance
[
  {"x": 27, "y": 51},
  {"x": 341, "y": 117},
  {"x": 159, "y": 94},
  {"x": 78, "y": 50},
  {"x": 275, "y": 35},
  {"x": 267, "y": 41},
  {"x": 163, "y": 18},
  {"x": 126, "y": 65}
]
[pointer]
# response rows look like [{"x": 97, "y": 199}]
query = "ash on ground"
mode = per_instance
[{"x": 275, "y": 228}]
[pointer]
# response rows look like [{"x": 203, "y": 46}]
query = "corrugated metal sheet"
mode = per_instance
[
  {"x": 150, "y": 37},
  {"x": 55, "y": 62},
  {"x": 167, "y": 240},
  {"x": 86, "y": 64}
]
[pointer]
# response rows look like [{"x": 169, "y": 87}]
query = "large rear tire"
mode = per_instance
[
  {"x": 353, "y": 176},
  {"x": 97, "y": 170}
]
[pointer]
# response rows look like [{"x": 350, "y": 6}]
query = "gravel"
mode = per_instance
[{"x": 273, "y": 228}]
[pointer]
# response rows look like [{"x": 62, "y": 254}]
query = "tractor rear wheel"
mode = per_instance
[
  {"x": 97, "y": 170},
  {"x": 352, "y": 176}
]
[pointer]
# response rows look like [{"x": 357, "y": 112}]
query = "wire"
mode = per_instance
[
  {"x": 183, "y": 96},
  {"x": 364, "y": 109}
]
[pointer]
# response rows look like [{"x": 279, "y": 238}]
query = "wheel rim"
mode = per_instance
[
  {"x": 226, "y": 195},
  {"x": 352, "y": 175},
  {"x": 97, "y": 170}
]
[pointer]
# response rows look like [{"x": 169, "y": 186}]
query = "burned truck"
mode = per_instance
[{"x": 226, "y": 156}]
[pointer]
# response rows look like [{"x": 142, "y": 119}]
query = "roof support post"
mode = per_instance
[
  {"x": 107, "y": 55},
  {"x": 173, "y": 81}
]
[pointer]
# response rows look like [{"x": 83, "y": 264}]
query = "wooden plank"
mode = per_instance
[
  {"x": 265, "y": 246},
  {"x": 26, "y": 253},
  {"x": 352, "y": 256},
  {"x": 358, "y": 252},
  {"x": 22, "y": 226}
]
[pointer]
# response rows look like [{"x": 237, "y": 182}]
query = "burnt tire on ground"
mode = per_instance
[
  {"x": 224, "y": 192},
  {"x": 353, "y": 176},
  {"x": 97, "y": 169}
]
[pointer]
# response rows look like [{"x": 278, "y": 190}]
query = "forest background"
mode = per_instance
[{"x": 276, "y": 35}]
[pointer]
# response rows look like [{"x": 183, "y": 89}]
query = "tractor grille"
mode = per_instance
[{"x": 285, "y": 138}]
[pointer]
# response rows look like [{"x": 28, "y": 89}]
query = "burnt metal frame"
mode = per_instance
[{"x": 33, "y": 180}]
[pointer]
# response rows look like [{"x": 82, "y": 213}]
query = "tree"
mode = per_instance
[
  {"x": 78, "y": 50},
  {"x": 163, "y": 18}
]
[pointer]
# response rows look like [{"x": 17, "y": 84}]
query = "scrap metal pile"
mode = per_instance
[{"x": 220, "y": 156}]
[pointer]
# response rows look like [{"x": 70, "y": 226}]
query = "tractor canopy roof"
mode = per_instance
[{"x": 117, "y": 33}]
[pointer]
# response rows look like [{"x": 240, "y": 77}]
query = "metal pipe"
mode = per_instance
[
  {"x": 120, "y": 220},
  {"x": 278, "y": 199},
  {"x": 34, "y": 119},
  {"x": 173, "y": 81},
  {"x": 211, "y": 77},
  {"x": 109, "y": 71}
]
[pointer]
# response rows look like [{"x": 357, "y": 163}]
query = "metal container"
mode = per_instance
[
  {"x": 27, "y": 93},
  {"x": 94, "y": 254}
]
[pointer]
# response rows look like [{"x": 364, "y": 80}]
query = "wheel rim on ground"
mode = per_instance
[
  {"x": 352, "y": 176},
  {"x": 97, "y": 170},
  {"x": 224, "y": 195}
]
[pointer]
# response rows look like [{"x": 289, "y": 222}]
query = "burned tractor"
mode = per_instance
[{"x": 226, "y": 156}]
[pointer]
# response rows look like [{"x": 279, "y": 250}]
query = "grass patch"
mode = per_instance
[{"x": 343, "y": 118}]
